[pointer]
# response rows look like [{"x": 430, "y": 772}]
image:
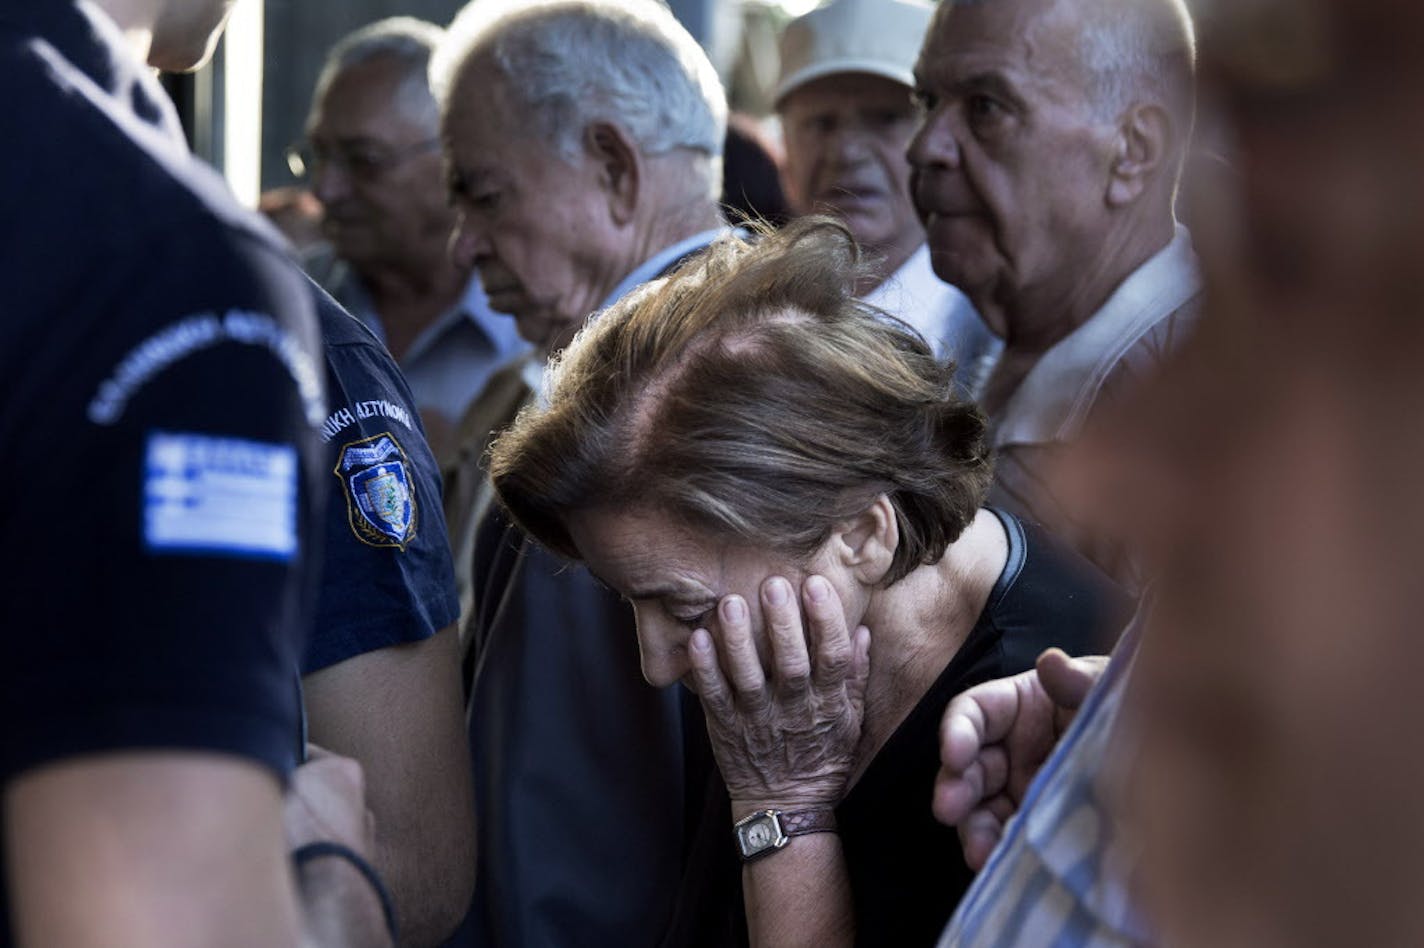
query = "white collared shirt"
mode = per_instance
[
  {"x": 1127, "y": 340},
  {"x": 943, "y": 315},
  {"x": 1054, "y": 399}
]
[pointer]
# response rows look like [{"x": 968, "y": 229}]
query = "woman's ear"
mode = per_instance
[{"x": 866, "y": 543}]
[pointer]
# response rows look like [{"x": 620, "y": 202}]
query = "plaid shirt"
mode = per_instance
[{"x": 1059, "y": 877}]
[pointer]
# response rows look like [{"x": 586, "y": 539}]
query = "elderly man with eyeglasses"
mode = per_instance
[{"x": 372, "y": 156}]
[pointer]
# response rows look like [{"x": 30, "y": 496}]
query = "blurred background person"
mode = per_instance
[
  {"x": 583, "y": 143},
  {"x": 295, "y": 212},
  {"x": 372, "y": 156},
  {"x": 846, "y": 117},
  {"x": 1045, "y": 171},
  {"x": 1277, "y": 788}
]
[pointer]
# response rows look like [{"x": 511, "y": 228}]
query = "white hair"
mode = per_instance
[
  {"x": 402, "y": 39},
  {"x": 568, "y": 63}
]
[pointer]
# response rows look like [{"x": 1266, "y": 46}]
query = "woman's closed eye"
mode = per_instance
[{"x": 692, "y": 616}]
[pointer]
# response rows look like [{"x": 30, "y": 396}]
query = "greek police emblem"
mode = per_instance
[{"x": 380, "y": 496}]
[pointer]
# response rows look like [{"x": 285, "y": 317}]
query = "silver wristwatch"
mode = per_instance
[{"x": 766, "y": 831}]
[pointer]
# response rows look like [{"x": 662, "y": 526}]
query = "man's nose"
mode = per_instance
[
  {"x": 935, "y": 143},
  {"x": 330, "y": 181},
  {"x": 850, "y": 143},
  {"x": 469, "y": 243}
]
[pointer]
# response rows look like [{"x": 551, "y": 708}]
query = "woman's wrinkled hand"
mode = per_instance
[{"x": 787, "y": 739}]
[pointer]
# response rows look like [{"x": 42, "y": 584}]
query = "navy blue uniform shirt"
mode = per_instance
[
  {"x": 388, "y": 577},
  {"x": 162, "y": 399}
]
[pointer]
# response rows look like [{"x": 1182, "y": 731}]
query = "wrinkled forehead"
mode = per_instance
[
  {"x": 1034, "y": 40},
  {"x": 478, "y": 97},
  {"x": 480, "y": 128},
  {"x": 629, "y": 546}
]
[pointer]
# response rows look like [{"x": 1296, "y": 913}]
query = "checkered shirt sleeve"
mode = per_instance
[{"x": 1058, "y": 878}]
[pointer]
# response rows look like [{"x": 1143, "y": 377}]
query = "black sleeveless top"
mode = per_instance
[{"x": 907, "y": 872}]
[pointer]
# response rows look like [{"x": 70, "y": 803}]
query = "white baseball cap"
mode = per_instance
[{"x": 880, "y": 37}]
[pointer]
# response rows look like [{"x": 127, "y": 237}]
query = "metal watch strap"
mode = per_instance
[{"x": 801, "y": 822}]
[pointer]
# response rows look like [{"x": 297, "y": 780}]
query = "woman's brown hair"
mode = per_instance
[{"x": 751, "y": 395}]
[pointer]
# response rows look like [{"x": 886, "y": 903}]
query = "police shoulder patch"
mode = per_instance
[{"x": 376, "y": 476}]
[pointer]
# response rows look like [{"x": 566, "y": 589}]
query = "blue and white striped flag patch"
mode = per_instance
[{"x": 220, "y": 496}]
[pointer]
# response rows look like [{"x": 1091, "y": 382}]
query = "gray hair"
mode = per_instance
[
  {"x": 568, "y": 63},
  {"x": 402, "y": 39},
  {"x": 1143, "y": 47}
]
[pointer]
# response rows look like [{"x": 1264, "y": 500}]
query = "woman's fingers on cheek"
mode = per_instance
[
  {"x": 834, "y": 652},
  {"x": 824, "y": 609},
  {"x": 739, "y": 653},
  {"x": 711, "y": 686},
  {"x": 788, "y": 640}
]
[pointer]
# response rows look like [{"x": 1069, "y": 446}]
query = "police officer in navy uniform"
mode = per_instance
[
  {"x": 381, "y": 672},
  {"x": 164, "y": 479}
]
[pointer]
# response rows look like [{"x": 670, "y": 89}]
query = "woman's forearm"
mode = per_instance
[{"x": 800, "y": 895}]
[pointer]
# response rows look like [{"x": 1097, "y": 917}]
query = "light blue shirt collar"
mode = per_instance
[
  {"x": 660, "y": 261},
  {"x": 473, "y": 307},
  {"x": 533, "y": 371}
]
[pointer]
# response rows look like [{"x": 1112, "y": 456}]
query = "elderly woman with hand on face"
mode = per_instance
[{"x": 781, "y": 482}]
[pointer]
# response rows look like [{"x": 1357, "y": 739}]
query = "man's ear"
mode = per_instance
[
  {"x": 866, "y": 543},
  {"x": 619, "y": 166},
  {"x": 1144, "y": 143}
]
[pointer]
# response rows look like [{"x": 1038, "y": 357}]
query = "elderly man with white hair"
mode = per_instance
[
  {"x": 1045, "y": 171},
  {"x": 583, "y": 150}
]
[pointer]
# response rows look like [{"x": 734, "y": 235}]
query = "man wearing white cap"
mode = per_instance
[{"x": 847, "y": 117}]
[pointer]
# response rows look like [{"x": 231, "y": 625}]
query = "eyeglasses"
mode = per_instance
[{"x": 363, "y": 161}]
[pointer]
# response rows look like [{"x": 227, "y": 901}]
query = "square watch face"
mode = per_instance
[{"x": 760, "y": 832}]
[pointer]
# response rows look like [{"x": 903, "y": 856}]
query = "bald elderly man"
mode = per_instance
[{"x": 1045, "y": 172}]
